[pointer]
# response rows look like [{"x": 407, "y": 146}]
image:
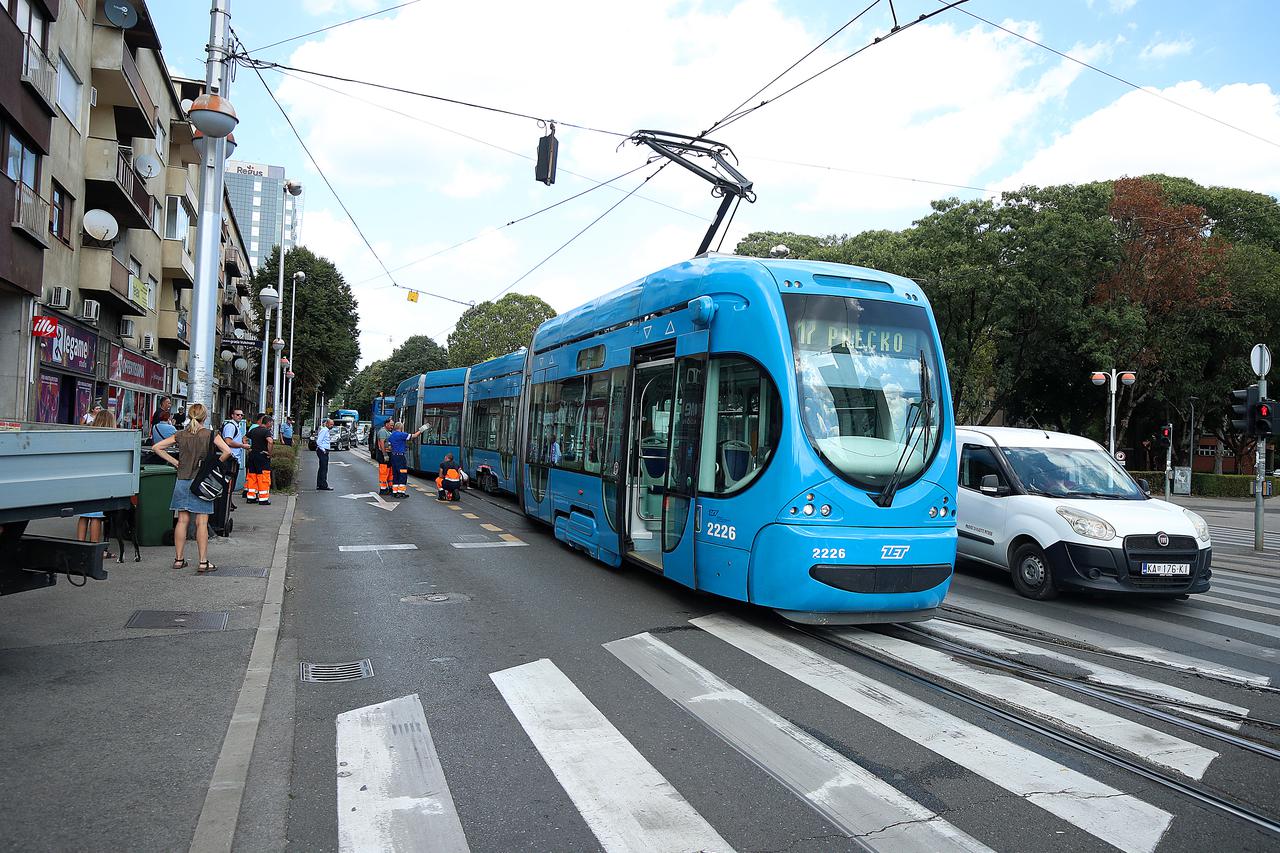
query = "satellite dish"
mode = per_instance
[
  {"x": 148, "y": 165},
  {"x": 186, "y": 105},
  {"x": 120, "y": 13},
  {"x": 100, "y": 225}
]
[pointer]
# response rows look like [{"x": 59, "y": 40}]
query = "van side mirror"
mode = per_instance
[
  {"x": 1145, "y": 486},
  {"x": 990, "y": 485}
]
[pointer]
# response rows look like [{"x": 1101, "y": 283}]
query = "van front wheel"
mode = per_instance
[{"x": 1032, "y": 576}]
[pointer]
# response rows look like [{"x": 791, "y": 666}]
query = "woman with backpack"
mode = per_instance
[{"x": 194, "y": 443}]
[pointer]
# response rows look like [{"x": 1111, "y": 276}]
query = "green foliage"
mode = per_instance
[
  {"x": 491, "y": 329},
  {"x": 284, "y": 467},
  {"x": 1227, "y": 485},
  {"x": 1034, "y": 290},
  {"x": 326, "y": 340},
  {"x": 418, "y": 354}
]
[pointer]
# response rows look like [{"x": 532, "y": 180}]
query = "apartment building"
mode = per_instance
[
  {"x": 258, "y": 199},
  {"x": 114, "y": 143}
]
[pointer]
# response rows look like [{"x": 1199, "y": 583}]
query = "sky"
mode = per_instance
[{"x": 948, "y": 107}]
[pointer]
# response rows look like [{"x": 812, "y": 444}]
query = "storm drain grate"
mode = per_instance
[
  {"x": 234, "y": 572},
  {"x": 214, "y": 620},
  {"x": 326, "y": 672}
]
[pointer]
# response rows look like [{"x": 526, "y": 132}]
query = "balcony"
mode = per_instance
[
  {"x": 174, "y": 328},
  {"x": 40, "y": 74},
  {"x": 119, "y": 85},
  {"x": 234, "y": 261},
  {"x": 104, "y": 278},
  {"x": 112, "y": 183},
  {"x": 176, "y": 263},
  {"x": 177, "y": 181},
  {"x": 31, "y": 214}
]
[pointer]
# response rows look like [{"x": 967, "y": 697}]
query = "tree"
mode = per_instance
[
  {"x": 326, "y": 340},
  {"x": 491, "y": 329}
]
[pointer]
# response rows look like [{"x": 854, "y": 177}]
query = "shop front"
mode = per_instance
[
  {"x": 67, "y": 362},
  {"x": 133, "y": 383}
]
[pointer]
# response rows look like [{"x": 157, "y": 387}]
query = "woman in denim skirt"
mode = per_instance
[{"x": 192, "y": 443}]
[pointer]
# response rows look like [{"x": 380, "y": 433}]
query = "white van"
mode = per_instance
[{"x": 1059, "y": 513}]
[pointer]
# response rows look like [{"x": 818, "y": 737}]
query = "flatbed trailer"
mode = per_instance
[{"x": 57, "y": 471}]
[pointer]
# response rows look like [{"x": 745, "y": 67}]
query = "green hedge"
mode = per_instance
[
  {"x": 284, "y": 467},
  {"x": 1210, "y": 485}
]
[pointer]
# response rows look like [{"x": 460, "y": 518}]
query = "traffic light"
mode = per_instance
[
  {"x": 1164, "y": 438},
  {"x": 1266, "y": 418},
  {"x": 1244, "y": 409}
]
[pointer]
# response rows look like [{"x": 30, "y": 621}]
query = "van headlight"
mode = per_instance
[
  {"x": 1202, "y": 527},
  {"x": 1087, "y": 524}
]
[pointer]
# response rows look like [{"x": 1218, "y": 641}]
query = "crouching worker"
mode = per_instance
[
  {"x": 449, "y": 481},
  {"x": 258, "y": 480}
]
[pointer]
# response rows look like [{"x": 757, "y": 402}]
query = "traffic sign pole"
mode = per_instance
[{"x": 1260, "y": 361}]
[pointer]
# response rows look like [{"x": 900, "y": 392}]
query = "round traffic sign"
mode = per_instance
[
  {"x": 1260, "y": 360},
  {"x": 1119, "y": 455}
]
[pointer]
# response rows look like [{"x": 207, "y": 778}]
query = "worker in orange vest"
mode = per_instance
[
  {"x": 382, "y": 454},
  {"x": 258, "y": 480},
  {"x": 450, "y": 480}
]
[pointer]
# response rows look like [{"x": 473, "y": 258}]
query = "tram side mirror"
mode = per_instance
[
  {"x": 1145, "y": 486},
  {"x": 990, "y": 485}
]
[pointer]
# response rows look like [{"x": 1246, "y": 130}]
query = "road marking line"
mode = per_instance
[
  {"x": 853, "y": 799},
  {"x": 489, "y": 544},
  {"x": 1104, "y": 812},
  {"x": 509, "y": 537},
  {"x": 1190, "y": 611},
  {"x": 1134, "y": 738},
  {"x": 492, "y": 528},
  {"x": 1224, "y": 599},
  {"x": 625, "y": 801},
  {"x": 469, "y": 515},
  {"x": 358, "y": 548},
  {"x": 392, "y": 792},
  {"x": 216, "y": 827},
  {"x": 1240, "y": 586},
  {"x": 1095, "y": 638},
  {"x": 455, "y": 507},
  {"x": 999, "y": 644}
]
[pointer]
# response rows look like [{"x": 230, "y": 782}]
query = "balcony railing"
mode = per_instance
[
  {"x": 31, "y": 213},
  {"x": 39, "y": 73},
  {"x": 131, "y": 182}
]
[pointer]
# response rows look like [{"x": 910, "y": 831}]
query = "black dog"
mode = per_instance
[{"x": 122, "y": 524}]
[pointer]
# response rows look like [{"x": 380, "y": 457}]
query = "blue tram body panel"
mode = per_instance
[{"x": 764, "y": 488}]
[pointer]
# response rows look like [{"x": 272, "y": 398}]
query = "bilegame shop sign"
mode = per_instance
[{"x": 70, "y": 347}]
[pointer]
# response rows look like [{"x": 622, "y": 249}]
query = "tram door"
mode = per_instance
[{"x": 662, "y": 486}]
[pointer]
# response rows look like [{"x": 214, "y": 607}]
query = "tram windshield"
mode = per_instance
[{"x": 859, "y": 364}]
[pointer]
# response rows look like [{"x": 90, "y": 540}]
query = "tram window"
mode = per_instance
[
  {"x": 536, "y": 393},
  {"x": 591, "y": 358},
  {"x": 542, "y": 436},
  {"x": 442, "y": 421},
  {"x": 597, "y": 415},
  {"x": 740, "y": 433},
  {"x": 507, "y": 428},
  {"x": 617, "y": 420},
  {"x": 566, "y": 439},
  {"x": 484, "y": 425}
]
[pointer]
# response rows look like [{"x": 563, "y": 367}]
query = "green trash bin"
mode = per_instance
[{"x": 155, "y": 491}]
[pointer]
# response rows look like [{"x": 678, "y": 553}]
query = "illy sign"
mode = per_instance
[{"x": 44, "y": 327}]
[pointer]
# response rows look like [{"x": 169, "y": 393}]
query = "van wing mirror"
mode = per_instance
[
  {"x": 1145, "y": 486},
  {"x": 990, "y": 485}
]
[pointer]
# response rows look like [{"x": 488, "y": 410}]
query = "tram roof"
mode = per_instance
[{"x": 684, "y": 281}]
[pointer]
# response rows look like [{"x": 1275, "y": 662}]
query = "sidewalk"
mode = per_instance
[{"x": 113, "y": 732}]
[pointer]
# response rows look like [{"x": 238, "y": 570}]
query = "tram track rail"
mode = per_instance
[{"x": 1204, "y": 795}]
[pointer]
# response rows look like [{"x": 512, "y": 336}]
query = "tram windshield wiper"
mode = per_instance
[{"x": 923, "y": 418}]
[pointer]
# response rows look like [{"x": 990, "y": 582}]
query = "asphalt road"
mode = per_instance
[{"x": 574, "y": 707}]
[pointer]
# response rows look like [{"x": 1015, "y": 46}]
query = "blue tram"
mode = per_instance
[{"x": 773, "y": 431}]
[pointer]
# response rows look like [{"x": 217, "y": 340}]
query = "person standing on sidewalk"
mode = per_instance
[
  {"x": 194, "y": 443},
  {"x": 258, "y": 480},
  {"x": 322, "y": 457},
  {"x": 89, "y": 526},
  {"x": 398, "y": 443},
  {"x": 382, "y": 455},
  {"x": 286, "y": 432},
  {"x": 233, "y": 433}
]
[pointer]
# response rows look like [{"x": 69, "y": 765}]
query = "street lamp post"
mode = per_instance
[
  {"x": 293, "y": 303},
  {"x": 1113, "y": 378},
  {"x": 287, "y": 189},
  {"x": 269, "y": 299},
  {"x": 1193, "y": 449},
  {"x": 214, "y": 117}
]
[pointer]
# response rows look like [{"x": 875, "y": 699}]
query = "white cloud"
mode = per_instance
[
  {"x": 324, "y": 7},
  {"x": 1159, "y": 50},
  {"x": 473, "y": 183},
  {"x": 1119, "y": 7},
  {"x": 1138, "y": 134}
]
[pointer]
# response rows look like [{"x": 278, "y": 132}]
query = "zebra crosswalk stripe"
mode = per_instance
[
  {"x": 850, "y": 797},
  {"x": 1236, "y": 585},
  {"x": 1191, "y": 611},
  {"x": 1237, "y": 602},
  {"x": 627, "y": 803},
  {"x": 1113, "y": 816},
  {"x": 1134, "y": 738}
]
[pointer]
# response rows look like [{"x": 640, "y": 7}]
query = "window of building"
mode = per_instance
[
  {"x": 253, "y": 247},
  {"x": 178, "y": 217},
  {"x": 153, "y": 292},
  {"x": 257, "y": 186},
  {"x": 61, "y": 209},
  {"x": 22, "y": 163},
  {"x": 257, "y": 216},
  {"x": 70, "y": 91},
  {"x": 30, "y": 21},
  {"x": 257, "y": 202},
  {"x": 162, "y": 141},
  {"x": 135, "y": 266},
  {"x": 254, "y": 231}
]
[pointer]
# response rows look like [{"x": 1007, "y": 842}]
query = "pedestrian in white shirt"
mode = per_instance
[{"x": 322, "y": 456}]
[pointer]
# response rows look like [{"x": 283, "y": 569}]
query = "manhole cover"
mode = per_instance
[
  {"x": 235, "y": 572},
  {"x": 208, "y": 620},
  {"x": 326, "y": 672},
  {"x": 436, "y": 598}
]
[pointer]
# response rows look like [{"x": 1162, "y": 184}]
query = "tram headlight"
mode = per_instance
[
  {"x": 933, "y": 512},
  {"x": 825, "y": 510},
  {"x": 808, "y": 509}
]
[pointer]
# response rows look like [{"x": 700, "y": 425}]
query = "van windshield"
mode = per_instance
[
  {"x": 859, "y": 368},
  {"x": 1072, "y": 472}
]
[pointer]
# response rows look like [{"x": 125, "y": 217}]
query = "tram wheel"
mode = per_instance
[{"x": 1032, "y": 576}]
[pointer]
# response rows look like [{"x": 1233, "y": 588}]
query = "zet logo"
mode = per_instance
[{"x": 894, "y": 552}]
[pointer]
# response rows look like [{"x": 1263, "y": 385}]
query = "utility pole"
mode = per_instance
[
  {"x": 212, "y": 114},
  {"x": 1260, "y": 471},
  {"x": 1113, "y": 379}
]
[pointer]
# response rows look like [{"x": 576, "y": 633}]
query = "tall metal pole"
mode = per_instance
[
  {"x": 266, "y": 348},
  {"x": 1260, "y": 480},
  {"x": 293, "y": 302},
  {"x": 204, "y": 308},
  {"x": 1111, "y": 429}
]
